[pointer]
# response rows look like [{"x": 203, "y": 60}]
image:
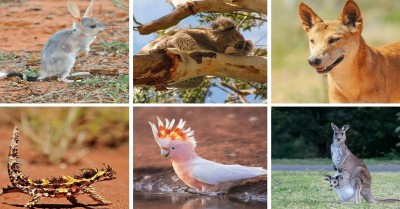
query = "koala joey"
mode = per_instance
[{"x": 222, "y": 37}]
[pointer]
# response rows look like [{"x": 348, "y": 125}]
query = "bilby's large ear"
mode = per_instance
[
  {"x": 74, "y": 11},
  {"x": 351, "y": 15},
  {"x": 89, "y": 10},
  {"x": 334, "y": 127},
  {"x": 345, "y": 127},
  {"x": 308, "y": 17}
]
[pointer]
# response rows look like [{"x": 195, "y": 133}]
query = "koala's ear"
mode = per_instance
[
  {"x": 223, "y": 24},
  {"x": 345, "y": 127}
]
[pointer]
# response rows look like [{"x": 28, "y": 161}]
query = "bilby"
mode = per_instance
[{"x": 60, "y": 51}]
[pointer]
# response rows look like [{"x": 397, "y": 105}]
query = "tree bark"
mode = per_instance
[
  {"x": 186, "y": 8},
  {"x": 166, "y": 67}
]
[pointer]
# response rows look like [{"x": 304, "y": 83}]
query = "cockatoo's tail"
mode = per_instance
[{"x": 165, "y": 135}]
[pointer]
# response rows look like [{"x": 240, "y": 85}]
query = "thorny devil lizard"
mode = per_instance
[{"x": 60, "y": 187}]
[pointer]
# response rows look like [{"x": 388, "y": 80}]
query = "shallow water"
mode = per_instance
[{"x": 152, "y": 200}]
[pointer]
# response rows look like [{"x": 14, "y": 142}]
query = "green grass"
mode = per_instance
[
  {"x": 121, "y": 4},
  {"x": 4, "y": 57},
  {"x": 34, "y": 72},
  {"x": 310, "y": 190},
  {"x": 293, "y": 80},
  {"x": 115, "y": 46},
  {"x": 114, "y": 91},
  {"x": 117, "y": 88},
  {"x": 326, "y": 161}
]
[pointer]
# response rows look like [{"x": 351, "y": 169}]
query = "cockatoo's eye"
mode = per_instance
[{"x": 172, "y": 147}]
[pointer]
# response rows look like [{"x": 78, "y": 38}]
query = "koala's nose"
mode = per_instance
[
  {"x": 314, "y": 61},
  {"x": 240, "y": 45}
]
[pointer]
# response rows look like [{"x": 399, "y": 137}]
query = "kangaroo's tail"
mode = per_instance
[
  {"x": 21, "y": 75},
  {"x": 388, "y": 201},
  {"x": 367, "y": 194}
]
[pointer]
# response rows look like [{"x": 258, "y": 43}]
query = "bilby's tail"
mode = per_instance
[{"x": 21, "y": 75}]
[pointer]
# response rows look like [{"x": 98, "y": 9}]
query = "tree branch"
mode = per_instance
[
  {"x": 171, "y": 66},
  {"x": 187, "y": 8}
]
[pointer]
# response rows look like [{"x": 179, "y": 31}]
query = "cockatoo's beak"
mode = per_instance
[{"x": 164, "y": 153}]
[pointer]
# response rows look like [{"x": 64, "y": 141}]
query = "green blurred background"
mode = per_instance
[
  {"x": 293, "y": 79},
  {"x": 305, "y": 132}
]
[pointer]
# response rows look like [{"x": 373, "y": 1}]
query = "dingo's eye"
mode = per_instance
[
  {"x": 333, "y": 40},
  {"x": 312, "y": 41}
]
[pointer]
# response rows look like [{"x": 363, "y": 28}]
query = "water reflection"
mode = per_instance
[{"x": 151, "y": 200}]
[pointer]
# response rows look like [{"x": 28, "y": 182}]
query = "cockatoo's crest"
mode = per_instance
[{"x": 166, "y": 134}]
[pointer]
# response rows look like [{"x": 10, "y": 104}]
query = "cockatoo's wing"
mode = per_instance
[{"x": 216, "y": 173}]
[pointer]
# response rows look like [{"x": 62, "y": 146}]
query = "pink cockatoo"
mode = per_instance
[{"x": 178, "y": 145}]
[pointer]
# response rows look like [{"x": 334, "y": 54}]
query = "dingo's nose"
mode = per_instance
[{"x": 314, "y": 61}]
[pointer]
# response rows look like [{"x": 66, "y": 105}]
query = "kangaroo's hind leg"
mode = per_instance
[{"x": 358, "y": 187}]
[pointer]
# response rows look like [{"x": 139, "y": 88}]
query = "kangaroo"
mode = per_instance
[
  {"x": 353, "y": 169},
  {"x": 342, "y": 186},
  {"x": 356, "y": 71}
]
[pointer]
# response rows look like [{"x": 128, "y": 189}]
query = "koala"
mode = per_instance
[{"x": 222, "y": 37}]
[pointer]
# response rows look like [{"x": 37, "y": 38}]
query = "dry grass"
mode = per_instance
[{"x": 64, "y": 135}]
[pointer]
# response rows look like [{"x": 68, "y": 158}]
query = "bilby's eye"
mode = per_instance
[
  {"x": 333, "y": 40},
  {"x": 92, "y": 26}
]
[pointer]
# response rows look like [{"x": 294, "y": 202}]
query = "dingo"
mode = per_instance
[{"x": 356, "y": 72}]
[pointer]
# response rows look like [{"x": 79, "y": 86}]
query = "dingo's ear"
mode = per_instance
[
  {"x": 351, "y": 15},
  {"x": 308, "y": 17}
]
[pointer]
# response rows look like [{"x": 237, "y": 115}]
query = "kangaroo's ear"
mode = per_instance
[
  {"x": 351, "y": 15},
  {"x": 345, "y": 127},
  {"x": 308, "y": 17},
  {"x": 327, "y": 177},
  {"x": 339, "y": 177},
  {"x": 334, "y": 127}
]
